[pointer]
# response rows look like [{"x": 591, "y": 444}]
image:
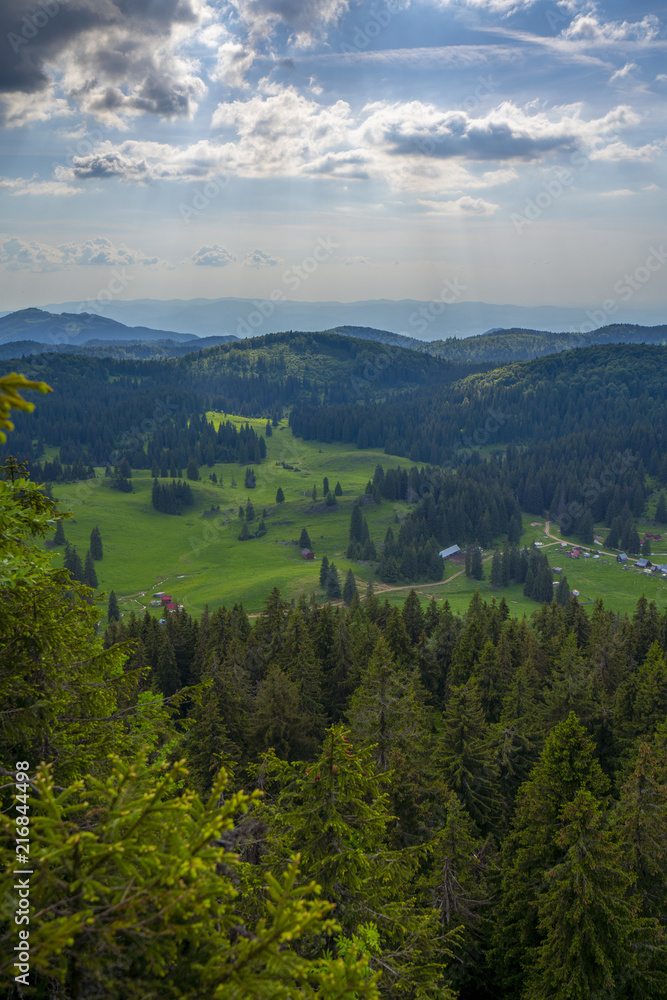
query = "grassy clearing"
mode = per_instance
[{"x": 198, "y": 558}]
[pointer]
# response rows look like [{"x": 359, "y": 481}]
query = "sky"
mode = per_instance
[{"x": 504, "y": 151}]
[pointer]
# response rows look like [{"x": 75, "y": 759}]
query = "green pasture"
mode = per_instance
[
  {"x": 198, "y": 559},
  {"x": 196, "y": 556}
]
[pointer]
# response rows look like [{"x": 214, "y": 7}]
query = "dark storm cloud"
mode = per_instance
[
  {"x": 491, "y": 141},
  {"x": 112, "y": 43}
]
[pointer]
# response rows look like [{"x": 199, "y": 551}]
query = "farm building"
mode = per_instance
[
  {"x": 166, "y": 599},
  {"x": 621, "y": 557},
  {"x": 644, "y": 564},
  {"x": 448, "y": 553},
  {"x": 307, "y": 554}
]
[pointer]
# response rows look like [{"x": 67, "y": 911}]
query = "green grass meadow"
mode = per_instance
[{"x": 197, "y": 558}]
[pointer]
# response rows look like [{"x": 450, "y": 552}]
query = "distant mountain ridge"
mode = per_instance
[
  {"x": 44, "y": 327},
  {"x": 412, "y": 318}
]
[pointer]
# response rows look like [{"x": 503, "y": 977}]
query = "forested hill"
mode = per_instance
[
  {"x": 571, "y": 415},
  {"x": 98, "y": 402},
  {"x": 144, "y": 350},
  {"x": 339, "y": 367},
  {"x": 523, "y": 345}
]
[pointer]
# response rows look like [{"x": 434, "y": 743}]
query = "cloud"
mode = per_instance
[
  {"x": 465, "y": 206},
  {"x": 624, "y": 73},
  {"x": 17, "y": 254},
  {"x": 618, "y": 151},
  {"x": 112, "y": 58},
  {"x": 618, "y": 193},
  {"x": 506, "y": 133},
  {"x": 306, "y": 21},
  {"x": 260, "y": 258},
  {"x": 494, "y": 6},
  {"x": 412, "y": 145},
  {"x": 28, "y": 185},
  {"x": 587, "y": 27},
  {"x": 212, "y": 256}
]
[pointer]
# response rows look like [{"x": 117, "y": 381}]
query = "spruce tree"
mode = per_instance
[
  {"x": 661, "y": 510},
  {"x": 89, "y": 574},
  {"x": 304, "y": 539},
  {"x": 324, "y": 571},
  {"x": 96, "y": 549},
  {"x": 59, "y": 538},
  {"x": 325, "y": 486},
  {"x": 314, "y": 493},
  {"x": 349, "y": 588},
  {"x": 338, "y": 490},
  {"x": 586, "y": 912},
  {"x": 496, "y": 570},
  {"x": 562, "y": 595},
  {"x": 113, "y": 613},
  {"x": 280, "y": 496},
  {"x": 245, "y": 534},
  {"x": 466, "y": 758},
  {"x": 333, "y": 583}
]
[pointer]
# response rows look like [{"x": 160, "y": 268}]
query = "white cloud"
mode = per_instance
[
  {"x": 408, "y": 145},
  {"x": 212, "y": 256},
  {"x": 260, "y": 258},
  {"x": 17, "y": 254},
  {"x": 624, "y": 73},
  {"x": 28, "y": 185},
  {"x": 495, "y": 6},
  {"x": 587, "y": 27},
  {"x": 618, "y": 193},
  {"x": 465, "y": 206},
  {"x": 617, "y": 151}
]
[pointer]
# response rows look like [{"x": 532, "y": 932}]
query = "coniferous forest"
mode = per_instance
[{"x": 351, "y": 800}]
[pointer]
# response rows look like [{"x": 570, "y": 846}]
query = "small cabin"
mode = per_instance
[
  {"x": 621, "y": 557},
  {"x": 307, "y": 554},
  {"x": 644, "y": 564},
  {"x": 166, "y": 599}
]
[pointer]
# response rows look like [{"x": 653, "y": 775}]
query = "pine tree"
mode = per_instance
[
  {"x": 566, "y": 766},
  {"x": 113, "y": 613},
  {"x": 585, "y": 912},
  {"x": 89, "y": 574},
  {"x": 350, "y": 587},
  {"x": 59, "y": 538},
  {"x": 330, "y": 499},
  {"x": 496, "y": 570},
  {"x": 338, "y": 490},
  {"x": 562, "y": 595},
  {"x": 646, "y": 548},
  {"x": 586, "y": 528},
  {"x": 314, "y": 493},
  {"x": 325, "y": 486},
  {"x": 661, "y": 510},
  {"x": 245, "y": 534},
  {"x": 476, "y": 564},
  {"x": 324, "y": 571},
  {"x": 280, "y": 496},
  {"x": 249, "y": 512},
  {"x": 465, "y": 757},
  {"x": 304, "y": 539},
  {"x": 192, "y": 471},
  {"x": 333, "y": 583},
  {"x": 166, "y": 678},
  {"x": 96, "y": 549}
]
